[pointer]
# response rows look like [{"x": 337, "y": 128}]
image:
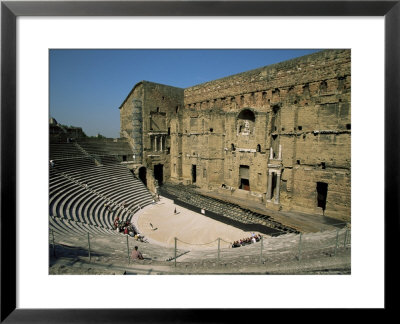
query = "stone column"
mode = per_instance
[
  {"x": 278, "y": 187},
  {"x": 161, "y": 147},
  {"x": 269, "y": 193},
  {"x": 271, "y": 153},
  {"x": 155, "y": 143}
]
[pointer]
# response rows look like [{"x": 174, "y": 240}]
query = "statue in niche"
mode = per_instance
[{"x": 244, "y": 129}]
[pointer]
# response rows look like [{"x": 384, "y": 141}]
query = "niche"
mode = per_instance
[
  {"x": 306, "y": 90},
  {"x": 245, "y": 122},
  {"x": 323, "y": 87}
]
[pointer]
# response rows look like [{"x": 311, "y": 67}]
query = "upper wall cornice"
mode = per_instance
[{"x": 322, "y": 65}]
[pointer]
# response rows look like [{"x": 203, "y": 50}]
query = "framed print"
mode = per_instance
[{"x": 29, "y": 29}]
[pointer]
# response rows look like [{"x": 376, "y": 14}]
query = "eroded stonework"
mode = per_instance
[{"x": 279, "y": 134}]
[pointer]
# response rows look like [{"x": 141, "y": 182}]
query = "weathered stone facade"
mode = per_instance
[{"x": 279, "y": 134}]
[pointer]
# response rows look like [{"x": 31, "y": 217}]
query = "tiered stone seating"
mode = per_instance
[
  {"x": 64, "y": 151},
  {"x": 79, "y": 188},
  {"x": 113, "y": 250},
  {"x": 284, "y": 248},
  {"x": 107, "y": 151},
  {"x": 72, "y": 228}
]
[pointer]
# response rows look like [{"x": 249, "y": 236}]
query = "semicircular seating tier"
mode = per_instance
[{"x": 80, "y": 189}]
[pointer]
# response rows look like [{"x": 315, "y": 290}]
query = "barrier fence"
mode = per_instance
[{"x": 115, "y": 248}]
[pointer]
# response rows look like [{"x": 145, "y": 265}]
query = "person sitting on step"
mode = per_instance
[{"x": 136, "y": 254}]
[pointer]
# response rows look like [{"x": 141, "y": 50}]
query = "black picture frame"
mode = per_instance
[{"x": 10, "y": 10}]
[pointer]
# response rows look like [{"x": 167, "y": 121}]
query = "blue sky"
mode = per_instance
[{"x": 88, "y": 86}]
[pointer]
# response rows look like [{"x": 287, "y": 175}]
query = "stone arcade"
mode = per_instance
[{"x": 279, "y": 134}]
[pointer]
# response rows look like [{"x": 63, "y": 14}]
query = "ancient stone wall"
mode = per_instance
[
  {"x": 131, "y": 119},
  {"x": 158, "y": 106},
  {"x": 279, "y": 134}
]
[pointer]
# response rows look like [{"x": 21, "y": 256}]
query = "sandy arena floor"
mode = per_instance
[{"x": 188, "y": 226}]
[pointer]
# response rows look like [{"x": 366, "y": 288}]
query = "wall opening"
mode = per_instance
[
  {"x": 306, "y": 90},
  {"x": 341, "y": 81},
  {"x": 273, "y": 185},
  {"x": 142, "y": 175},
  {"x": 158, "y": 173},
  {"x": 274, "y": 145},
  {"x": 244, "y": 176},
  {"x": 275, "y": 126},
  {"x": 244, "y": 184},
  {"x": 193, "y": 173},
  {"x": 323, "y": 87},
  {"x": 322, "y": 193}
]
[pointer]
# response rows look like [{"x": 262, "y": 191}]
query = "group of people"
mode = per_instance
[
  {"x": 249, "y": 240},
  {"x": 127, "y": 228}
]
